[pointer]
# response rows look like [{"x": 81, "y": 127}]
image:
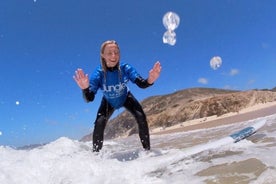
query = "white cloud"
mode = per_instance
[
  {"x": 202, "y": 81},
  {"x": 234, "y": 72},
  {"x": 0, "y": 133}
]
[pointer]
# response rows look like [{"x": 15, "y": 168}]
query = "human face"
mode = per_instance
[{"x": 111, "y": 55}]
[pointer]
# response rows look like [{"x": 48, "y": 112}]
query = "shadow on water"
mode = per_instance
[
  {"x": 134, "y": 154},
  {"x": 126, "y": 155}
]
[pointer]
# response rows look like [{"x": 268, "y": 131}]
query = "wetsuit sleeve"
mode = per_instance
[
  {"x": 88, "y": 95},
  {"x": 94, "y": 84},
  {"x": 135, "y": 77},
  {"x": 142, "y": 83}
]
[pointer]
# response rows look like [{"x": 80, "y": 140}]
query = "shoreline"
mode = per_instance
[{"x": 256, "y": 111}]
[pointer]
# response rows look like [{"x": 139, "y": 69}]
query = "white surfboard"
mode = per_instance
[
  {"x": 232, "y": 138},
  {"x": 248, "y": 131}
]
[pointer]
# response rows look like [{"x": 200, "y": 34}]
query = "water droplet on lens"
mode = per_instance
[
  {"x": 169, "y": 37},
  {"x": 171, "y": 21}
]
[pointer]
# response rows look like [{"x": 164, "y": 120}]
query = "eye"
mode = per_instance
[{"x": 113, "y": 52}]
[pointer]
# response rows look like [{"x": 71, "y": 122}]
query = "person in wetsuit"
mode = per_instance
[{"x": 111, "y": 77}]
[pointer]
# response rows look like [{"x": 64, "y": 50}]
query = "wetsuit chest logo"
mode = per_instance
[{"x": 114, "y": 88}]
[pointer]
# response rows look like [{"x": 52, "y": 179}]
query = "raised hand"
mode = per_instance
[
  {"x": 81, "y": 79},
  {"x": 154, "y": 72}
]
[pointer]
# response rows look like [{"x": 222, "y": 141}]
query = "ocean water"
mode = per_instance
[{"x": 122, "y": 161}]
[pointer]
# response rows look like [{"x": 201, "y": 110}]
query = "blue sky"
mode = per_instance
[{"x": 42, "y": 42}]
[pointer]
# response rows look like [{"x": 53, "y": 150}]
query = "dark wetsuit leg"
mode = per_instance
[
  {"x": 134, "y": 107},
  {"x": 104, "y": 113}
]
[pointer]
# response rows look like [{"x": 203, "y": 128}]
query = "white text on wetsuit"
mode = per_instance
[{"x": 115, "y": 90}]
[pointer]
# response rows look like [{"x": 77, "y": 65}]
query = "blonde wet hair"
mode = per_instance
[{"x": 103, "y": 63}]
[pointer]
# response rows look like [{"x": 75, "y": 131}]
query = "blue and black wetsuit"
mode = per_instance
[{"x": 116, "y": 94}]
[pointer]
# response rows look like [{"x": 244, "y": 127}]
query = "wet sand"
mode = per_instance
[
  {"x": 245, "y": 169},
  {"x": 254, "y": 112}
]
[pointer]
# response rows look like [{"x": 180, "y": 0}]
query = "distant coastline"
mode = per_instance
[{"x": 253, "y": 112}]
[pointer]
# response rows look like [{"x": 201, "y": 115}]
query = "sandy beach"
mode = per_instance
[{"x": 253, "y": 112}]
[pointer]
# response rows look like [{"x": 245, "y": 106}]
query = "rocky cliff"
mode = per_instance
[{"x": 188, "y": 104}]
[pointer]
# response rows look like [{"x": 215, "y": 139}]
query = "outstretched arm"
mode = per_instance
[
  {"x": 153, "y": 75},
  {"x": 154, "y": 72}
]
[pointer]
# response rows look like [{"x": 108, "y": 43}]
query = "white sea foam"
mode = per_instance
[{"x": 175, "y": 158}]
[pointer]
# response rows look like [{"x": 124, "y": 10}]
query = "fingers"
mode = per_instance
[
  {"x": 157, "y": 66},
  {"x": 157, "y": 63},
  {"x": 79, "y": 74},
  {"x": 81, "y": 78},
  {"x": 154, "y": 72}
]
